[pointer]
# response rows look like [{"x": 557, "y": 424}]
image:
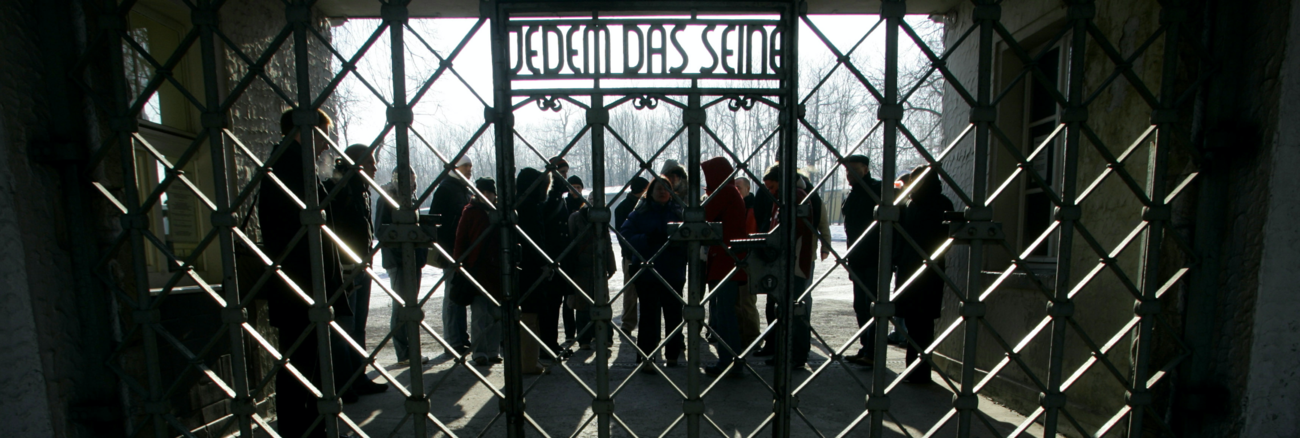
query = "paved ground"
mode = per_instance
[{"x": 647, "y": 405}]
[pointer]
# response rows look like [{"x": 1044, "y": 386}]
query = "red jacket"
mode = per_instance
[
  {"x": 484, "y": 260},
  {"x": 727, "y": 207},
  {"x": 804, "y": 233}
]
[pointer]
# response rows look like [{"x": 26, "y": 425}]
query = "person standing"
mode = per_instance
[
  {"x": 746, "y": 302},
  {"x": 805, "y": 235},
  {"x": 352, "y": 223},
  {"x": 859, "y": 212},
  {"x": 728, "y": 207},
  {"x": 555, "y": 239},
  {"x": 393, "y": 259},
  {"x": 637, "y": 189},
  {"x": 449, "y": 201},
  {"x": 573, "y": 201},
  {"x": 532, "y": 264},
  {"x": 280, "y": 218},
  {"x": 482, "y": 260},
  {"x": 584, "y": 274},
  {"x": 646, "y": 229},
  {"x": 676, "y": 176},
  {"x": 821, "y": 222},
  {"x": 922, "y": 301}
]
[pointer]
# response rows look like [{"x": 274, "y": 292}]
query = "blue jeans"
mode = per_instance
[
  {"x": 723, "y": 320},
  {"x": 455, "y": 326},
  {"x": 485, "y": 328},
  {"x": 400, "y": 341}
]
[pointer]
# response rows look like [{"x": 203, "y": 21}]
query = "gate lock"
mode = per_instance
[
  {"x": 763, "y": 261},
  {"x": 407, "y": 228},
  {"x": 704, "y": 232},
  {"x": 973, "y": 224}
]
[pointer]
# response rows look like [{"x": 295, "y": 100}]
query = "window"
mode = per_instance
[
  {"x": 1041, "y": 118},
  {"x": 167, "y": 122}
]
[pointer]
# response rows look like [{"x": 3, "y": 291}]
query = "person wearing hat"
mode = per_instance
[
  {"x": 676, "y": 175},
  {"x": 482, "y": 260},
  {"x": 554, "y": 238},
  {"x": 574, "y": 199},
  {"x": 805, "y": 244},
  {"x": 449, "y": 201},
  {"x": 532, "y": 265},
  {"x": 624, "y": 208},
  {"x": 859, "y": 211}
]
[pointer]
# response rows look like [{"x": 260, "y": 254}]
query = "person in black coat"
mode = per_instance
[
  {"x": 621, "y": 212},
  {"x": 554, "y": 239},
  {"x": 920, "y": 303},
  {"x": 351, "y": 208},
  {"x": 449, "y": 201},
  {"x": 532, "y": 264},
  {"x": 859, "y": 212},
  {"x": 572, "y": 199},
  {"x": 279, "y": 215},
  {"x": 573, "y": 202}
]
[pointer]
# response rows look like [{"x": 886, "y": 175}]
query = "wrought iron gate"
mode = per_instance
[{"x": 975, "y": 231}]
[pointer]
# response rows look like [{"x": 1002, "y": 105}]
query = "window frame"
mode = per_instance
[{"x": 1048, "y": 251}]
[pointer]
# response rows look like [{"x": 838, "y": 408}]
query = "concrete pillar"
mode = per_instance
[
  {"x": 1272, "y": 398},
  {"x": 24, "y": 403}
]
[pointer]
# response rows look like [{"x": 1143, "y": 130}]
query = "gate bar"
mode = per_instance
[
  {"x": 502, "y": 117},
  {"x": 890, "y": 115},
  {"x": 311, "y": 197},
  {"x": 242, "y": 406},
  {"x": 1053, "y": 400},
  {"x": 789, "y": 125},
  {"x": 1147, "y": 308},
  {"x": 124, "y": 127},
  {"x": 967, "y": 402}
]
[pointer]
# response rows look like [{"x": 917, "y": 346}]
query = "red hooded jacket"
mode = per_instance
[{"x": 727, "y": 207}]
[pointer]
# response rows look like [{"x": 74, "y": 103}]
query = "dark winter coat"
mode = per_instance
[
  {"x": 859, "y": 211},
  {"x": 483, "y": 262},
  {"x": 449, "y": 200},
  {"x": 555, "y": 235},
  {"x": 762, "y": 204},
  {"x": 352, "y": 219},
  {"x": 280, "y": 219},
  {"x": 728, "y": 207},
  {"x": 584, "y": 257},
  {"x": 532, "y": 263},
  {"x": 647, "y": 229},
  {"x": 922, "y": 219},
  {"x": 621, "y": 213}
]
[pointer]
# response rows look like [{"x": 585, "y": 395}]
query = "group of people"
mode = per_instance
[{"x": 551, "y": 211}]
